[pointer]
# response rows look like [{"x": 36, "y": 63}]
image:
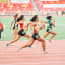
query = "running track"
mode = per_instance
[{"x": 33, "y": 56}]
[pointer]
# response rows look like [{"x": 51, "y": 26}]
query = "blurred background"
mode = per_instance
[{"x": 31, "y": 7}]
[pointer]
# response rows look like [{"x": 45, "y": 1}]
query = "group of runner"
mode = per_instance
[{"x": 35, "y": 28}]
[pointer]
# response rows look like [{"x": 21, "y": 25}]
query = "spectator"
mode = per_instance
[{"x": 1, "y": 29}]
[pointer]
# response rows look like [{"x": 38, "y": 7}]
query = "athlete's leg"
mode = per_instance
[
  {"x": 15, "y": 34},
  {"x": 18, "y": 37},
  {"x": 29, "y": 43},
  {"x": 53, "y": 34},
  {"x": 26, "y": 35},
  {"x": 46, "y": 34},
  {"x": 43, "y": 43}
]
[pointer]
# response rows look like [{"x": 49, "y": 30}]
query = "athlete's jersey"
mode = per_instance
[
  {"x": 14, "y": 25},
  {"x": 22, "y": 26},
  {"x": 21, "y": 32},
  {"x": 35, "y": 35},
  {"x": 36, "y": 29},
  {"x": 49, "y": 24},
  {"x": 49, "y": 27}
]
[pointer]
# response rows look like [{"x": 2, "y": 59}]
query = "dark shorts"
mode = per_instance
[
  {"x": 21, "y": 33},
  {"x": 35, "y": 36},
  {"x": 49, "y": 30}
]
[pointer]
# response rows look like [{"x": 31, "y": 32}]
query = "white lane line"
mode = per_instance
[
  {"x": 61, "y": 55},
  {"x": 2, "y": 60},
  {"x": 36, "y": 63},
  {"x": 29, "y": 53}
]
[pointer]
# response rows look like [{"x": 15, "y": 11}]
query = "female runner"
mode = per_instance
[
  {"x": 14, "y": 22},
  {"x": 49, "y": 28},
  {"x": 35, "y": 34},
  {"x": 20, "y": 21}
]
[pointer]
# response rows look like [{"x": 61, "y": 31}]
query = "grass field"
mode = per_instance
[{"x": 7, "y": 34}]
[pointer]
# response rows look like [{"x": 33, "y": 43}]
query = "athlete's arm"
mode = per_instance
[
  {"x": 31, "y": 27},
  {"x": 26, "y": 26},
  {"x": 45, "y": 22},
  {"x": 53, "y": 23},
  {"x": 19, "y": 22},
  {"x": 11, "y": 24},
  {"x": 42, "y": 26}
]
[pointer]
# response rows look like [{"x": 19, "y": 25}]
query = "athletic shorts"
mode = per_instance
[
  {"x": 35, "y": 36},
  {"x": 49, "y": 30},
  {"x": 21, "y": 33}
]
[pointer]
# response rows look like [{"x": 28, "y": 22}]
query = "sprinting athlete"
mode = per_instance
[
  {"x": 14, "y": 22},
  {"x": 20, "y": 21},
  {"x": 35, "y": 33},
  {"x": 49, "y": 30}
]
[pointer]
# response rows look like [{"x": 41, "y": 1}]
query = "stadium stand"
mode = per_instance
[
  {"x": 13, "y": 7},
  {"x": 47, "y": 5},
  {"x": 29, "y": 8}
]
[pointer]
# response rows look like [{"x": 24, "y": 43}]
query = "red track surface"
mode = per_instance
[{"x": 27, "y": 56}]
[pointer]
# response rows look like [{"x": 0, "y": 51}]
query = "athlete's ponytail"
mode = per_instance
[
  {"x": 15, "y": 16},
  {"x": 34, "y": 18},
  {"x": 20, "y": 18},
  {"x": 49, "y": 17}
]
